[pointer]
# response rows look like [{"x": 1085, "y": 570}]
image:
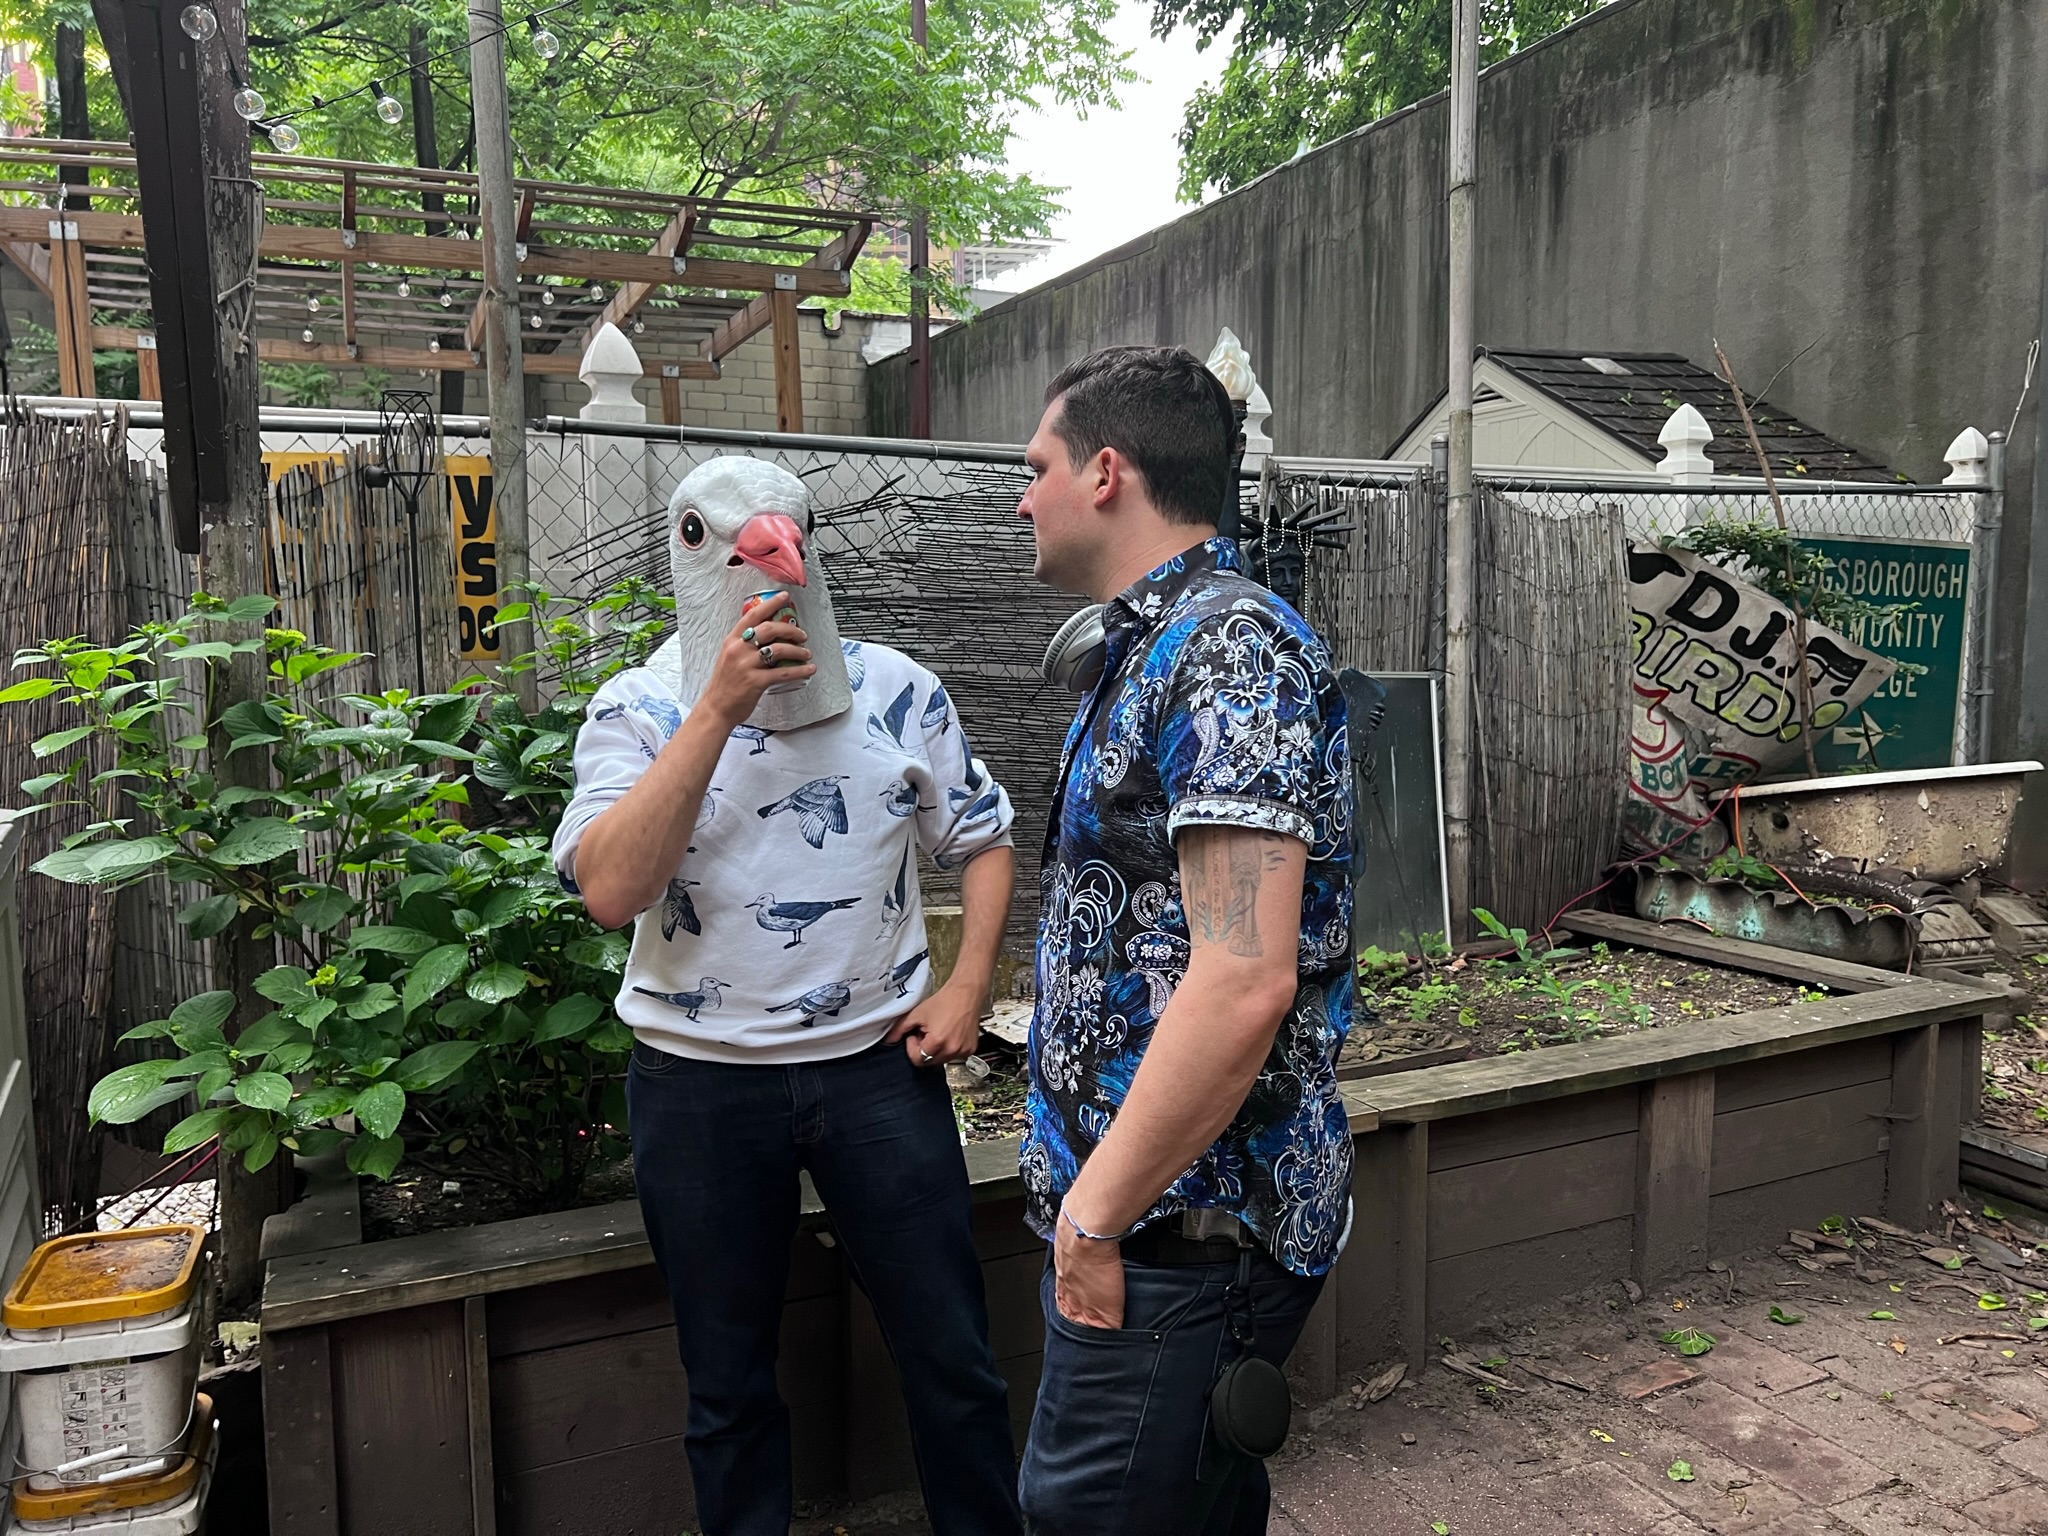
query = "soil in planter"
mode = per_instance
[
  {"x": 2016, "y": 1058},
  {"x": 419, "y": 1199},
  {"x": 1483, "y": 1007}
]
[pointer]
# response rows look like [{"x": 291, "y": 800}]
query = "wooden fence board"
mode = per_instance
[
  {"x": 557, "y": 1405},
  {"x": 1797, "y": 1136},
  {"x": 298, "y": 1434},
  {"x": 1674, "y": 1153},
  {"x": 637, "y": 1490},
  {"x": 1495, "y": 1282},
  {"x": 577, "y": 1311}
]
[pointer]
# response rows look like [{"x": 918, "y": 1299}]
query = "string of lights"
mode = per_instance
[{"x": 201, "y": 24}]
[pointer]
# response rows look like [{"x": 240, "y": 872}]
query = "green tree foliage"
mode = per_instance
[{"x": 1303, "y": 72}]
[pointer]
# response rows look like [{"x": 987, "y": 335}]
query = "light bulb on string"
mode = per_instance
[
  {"x": 434, "y": 344},
  {"x": 199, "y": 22},
  {"x": 534, "y": 321},
  {"x": 447, "y": 298},
  {"x": 284, "y": 138},
  {"x": 547, "y": 297},
  {"x": 597, "y": 293},
  {"x": 404, "y": 288},
  {"x": 639, "y": 326},
  {"x": 545, "y": 44},
  {"x": 307, "y": 335},
  {"x": 387, "y": 104},
  {"x": 312, "y": 303},
  {"x": 248, "y": 103}
]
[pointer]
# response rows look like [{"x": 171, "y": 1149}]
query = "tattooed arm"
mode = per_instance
[{"x": 1241, "y": 891}]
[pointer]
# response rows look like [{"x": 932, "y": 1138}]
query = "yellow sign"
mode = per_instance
[{"x": 476, "y": 554}]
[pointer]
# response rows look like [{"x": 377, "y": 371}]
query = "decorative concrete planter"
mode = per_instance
[{"x": 521, "y": 1377}]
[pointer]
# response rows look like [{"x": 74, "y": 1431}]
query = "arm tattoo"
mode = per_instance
[{"x": 1222, "y": 882}]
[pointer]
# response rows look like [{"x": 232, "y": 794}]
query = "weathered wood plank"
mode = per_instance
[
  {"x": 1382, "y": 1276},
  {"x": 328, "y": 1215},
  {"x": 1489, "y": 1205},
  {"x": 576, "y": 1311},
  {"x": 1747, "y": 1084},
  {"x": 1312, "y": 1366},
  {"x": 1474, "y": 1287},
  {"x": 1909, "y": 1193},
  {"x": 404, "y": 1472},
  {"x": 483, "y": 1485},
  {"x": 559, "y": 1405},
  {"x": 635, "y": 1490},
  {"x": 1436, "y": 1093},
  {"x": 1759, "y": 1216},
  {"x": 1674, "y": 1151},
  {"x": 507, "y": 1255},
  {"x": 1742, "y": 954},
  {"x": 789, "y": 378},
  {"x": 1799, "y": 1136},
  {"x": 1532, "y": 1128},
  {"x": 1958, "y": 1042},
  {"x": 298, "y": 1433}
]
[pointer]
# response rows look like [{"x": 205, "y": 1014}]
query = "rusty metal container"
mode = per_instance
[{"x": 1936, "y": 823}]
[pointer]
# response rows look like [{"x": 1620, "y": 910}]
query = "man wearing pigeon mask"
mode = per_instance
[{"x": 753, "y": 799}]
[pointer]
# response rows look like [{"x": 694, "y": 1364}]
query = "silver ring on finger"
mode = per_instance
[
  {"x": 768, "y": 654},
  {"x": 929, "y": 1058}
]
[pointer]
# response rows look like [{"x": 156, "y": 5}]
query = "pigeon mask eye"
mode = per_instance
[{"x": 691, "y": 531}]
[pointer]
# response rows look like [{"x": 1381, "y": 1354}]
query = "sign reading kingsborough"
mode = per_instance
[{"x": 1911, "y": 721}]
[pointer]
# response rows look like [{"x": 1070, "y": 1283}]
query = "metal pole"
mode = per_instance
[
  {"x": 502, "y": 346},
  {"x": 1458, "y": 542},
  {"x": 920, "y": 279},
  {"x": 1991, "y": 514}
]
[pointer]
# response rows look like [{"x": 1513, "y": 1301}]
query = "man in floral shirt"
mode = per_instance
[{"x": 1187, "y": 1154}]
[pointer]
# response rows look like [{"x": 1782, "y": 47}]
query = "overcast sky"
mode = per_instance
[{"x": 1120, "y": 168}]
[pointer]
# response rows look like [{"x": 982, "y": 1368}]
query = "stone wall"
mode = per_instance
[
  {"x": 1849, "y": 194},
  {"x": 743, "y": 397}
]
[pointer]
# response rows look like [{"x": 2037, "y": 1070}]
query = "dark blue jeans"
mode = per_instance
[
  {"x": 716, "y": 1151},
  {"x": 1120, "y": 1442}
]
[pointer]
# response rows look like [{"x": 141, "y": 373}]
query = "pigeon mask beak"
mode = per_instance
[{"x": 772, "y": 542}]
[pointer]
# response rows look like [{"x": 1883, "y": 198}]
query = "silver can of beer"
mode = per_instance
[{"x": 787, "y": 615}]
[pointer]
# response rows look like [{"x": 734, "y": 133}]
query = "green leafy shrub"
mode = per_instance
[{"x": 435, "y": 986}]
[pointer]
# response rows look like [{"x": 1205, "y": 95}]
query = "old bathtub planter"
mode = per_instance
[
  {"x": 1936, "y": 823},
  {"x": 521, "y": 1377}
]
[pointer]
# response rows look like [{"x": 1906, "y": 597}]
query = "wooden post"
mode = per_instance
[
  {"x": 149, "y": 377},
  {"x": 789, "y": 375},
  {"x": 298, "y": 1432},
  {"x": 74, "y": 311},
  {"x": 1674, "y": 1157},
  {"x": 1382, "y": 1282},
  {"x": 1911, "y": 1182},
  {"x": 671, "y": 396}
]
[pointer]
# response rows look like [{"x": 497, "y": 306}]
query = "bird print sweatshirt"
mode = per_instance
[{"x": 792, "y": 930}]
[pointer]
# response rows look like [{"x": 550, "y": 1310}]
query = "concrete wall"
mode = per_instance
[{"x": 1849, "y": 194}]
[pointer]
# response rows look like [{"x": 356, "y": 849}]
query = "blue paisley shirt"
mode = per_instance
[{"x": 1218, "y": 706}]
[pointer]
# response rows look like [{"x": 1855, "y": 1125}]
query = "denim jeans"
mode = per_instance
[
  {"x": 716, "y": 1151},
  {"x": 1120, "y": 1443}
]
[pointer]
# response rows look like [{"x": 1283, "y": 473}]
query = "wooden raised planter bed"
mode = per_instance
[{"x": 521, "y": 1376}]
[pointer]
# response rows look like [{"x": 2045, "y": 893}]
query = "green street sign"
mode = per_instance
[{"x": 1911, "y": 721}]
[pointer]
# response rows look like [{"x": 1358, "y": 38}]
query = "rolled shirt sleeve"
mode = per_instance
[
  {"x": 961, "y": 810},
  {"x": 1239, "y": 727},
  {"x": 619, "y": 738}
]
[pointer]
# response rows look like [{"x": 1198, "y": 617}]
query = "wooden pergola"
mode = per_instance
[{"x": 380, "y": 266}]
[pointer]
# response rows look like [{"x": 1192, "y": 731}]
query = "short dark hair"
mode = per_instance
[{"x": 1162, "y": 410}]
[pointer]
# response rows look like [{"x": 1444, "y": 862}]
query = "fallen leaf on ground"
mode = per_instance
[
  {"x": 1897, "y": 1343},
  {"x": 1602, "y": 1436},
  {"x": 1883, "y": 1317},
  {"x": 1785, "y": 1319},
  {"x": 1440, "y": 1527},
  {"x": 1692, "y": 1341},
  {"x": 1991, "y": 1301},
  {"x": 1383, "y": 1384},
  {"x": 1679, "y": 1472}
]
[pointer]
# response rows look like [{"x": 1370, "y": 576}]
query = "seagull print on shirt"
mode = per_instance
[
  {"x": 856, "y": 664},
  {"x": 754, "y": 734},
  {"x": 893, "y": 900},
  {"x": 938, "y": 710},
  {"x": 793, "y": 917},
  {"x": 885, "y": 733},
  {"x": 820, "y": 807},
  {"x": 900, "y": 799},
  {"x": 707, "y": 994},
  {"x": 820, "y": 1002},
  {"x": 678, "y": 911}
]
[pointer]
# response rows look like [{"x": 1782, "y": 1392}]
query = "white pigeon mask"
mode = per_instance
[{"x": 737, "y": 526}]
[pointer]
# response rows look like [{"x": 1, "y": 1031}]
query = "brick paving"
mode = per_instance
[{"x": 1840, "y": 1423}]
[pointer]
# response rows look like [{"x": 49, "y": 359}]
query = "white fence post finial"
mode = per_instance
[
  {"x": 610, "y": 370},
  {"x": 1968, "y": 457},
  {"x": 1258, "y": 442},
  {"x": 1685, "y": 438}
]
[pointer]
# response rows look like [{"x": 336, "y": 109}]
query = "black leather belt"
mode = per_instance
[{"x": 1162, "y": 1243}]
